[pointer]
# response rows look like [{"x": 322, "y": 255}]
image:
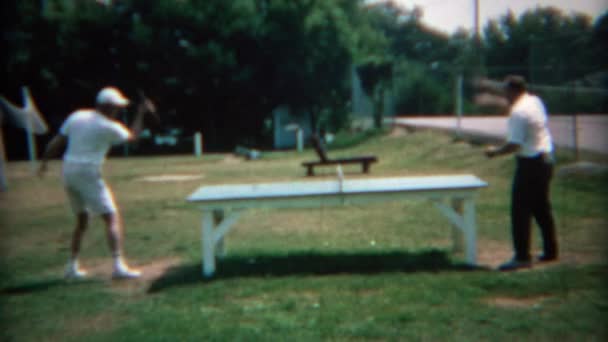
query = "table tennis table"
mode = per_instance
[{"x": 453, "y": 195}]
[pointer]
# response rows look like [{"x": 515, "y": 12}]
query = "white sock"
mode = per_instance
[
  {"x": 119, "y": 264},
  {"x": 73, "y": 263}
]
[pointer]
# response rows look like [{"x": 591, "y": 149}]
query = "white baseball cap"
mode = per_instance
[{"x": 112, "y": 96}]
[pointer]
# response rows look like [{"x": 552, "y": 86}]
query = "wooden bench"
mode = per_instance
[{"x": 324, "y": 160}]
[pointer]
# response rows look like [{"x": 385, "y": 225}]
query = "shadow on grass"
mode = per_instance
[
  {"x": 311, "y": 264},
  {"x": 34, "y": 286}
]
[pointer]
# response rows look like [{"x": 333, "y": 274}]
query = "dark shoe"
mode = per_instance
[
  {"x": 514, "y": 264},
  {"x": 546, "y": 257}
]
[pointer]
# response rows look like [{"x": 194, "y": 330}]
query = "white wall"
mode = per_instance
[
  {"x": 283, "y": 138},
  {"x": 362, "y": 106}
]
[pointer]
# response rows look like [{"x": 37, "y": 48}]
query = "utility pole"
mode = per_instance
[
  {"x": 476, "y": 19},
  {"x": 458, "y": 108},
  {"x": 477, "y": 35}
]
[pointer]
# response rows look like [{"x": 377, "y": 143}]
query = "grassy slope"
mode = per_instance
[{"x": 365, "y": 272}]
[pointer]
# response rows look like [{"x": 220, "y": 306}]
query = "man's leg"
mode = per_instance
[
  {"x": 543, "y": 213},
  {"x": 521, "y": 217},
  {"x": 73, "y": 270},
  {"x": 82, "y": 222},
  {"x": 114, "y": 233},
  {"x": 521, "y": 214}
]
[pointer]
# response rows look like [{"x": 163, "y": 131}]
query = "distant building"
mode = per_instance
[
  {"x": 362, "y": 106},
  {"x": 285, "y": 125}
]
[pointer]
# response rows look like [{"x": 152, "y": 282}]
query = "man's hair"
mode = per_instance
[{"x": 515, "y": 83}]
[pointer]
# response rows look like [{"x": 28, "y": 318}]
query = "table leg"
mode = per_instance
[
  {"x": 220, "y": 247},
  {"x": 208, "y": 244},
  {"x": 470, "y": 231},
  {"x": 465, "y": 221},
  {"x": 457, "y": 235}
]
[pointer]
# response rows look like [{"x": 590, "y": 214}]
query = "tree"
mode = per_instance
[
  {"x": 216, "y": 66},
  {"x": 315, "y": 42},
  {"x": 424, "y": 62},
  {"x": 376, "y": 76},
  {"x": 543, "y": 44},
  {"x": 548, "y": 48}
]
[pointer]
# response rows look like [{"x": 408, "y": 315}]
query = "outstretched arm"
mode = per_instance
[
  {"x": 489, "y": 86},
  {"x": 53, "y": 148},
  {"x": 490, "y": 94},
  {"x": 507, "y": 148}
]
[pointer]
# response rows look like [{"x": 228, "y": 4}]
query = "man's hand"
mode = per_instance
[
  {"x": 507, "y": 148},
  {"x": 490, "y": 151},
  {"x": 42, "y": 169},
  {"x": 52, "y": 149},
  {"x": 146, "y": 105}
]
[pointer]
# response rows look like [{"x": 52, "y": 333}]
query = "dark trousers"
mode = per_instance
[{"x": 530, "y": 198}]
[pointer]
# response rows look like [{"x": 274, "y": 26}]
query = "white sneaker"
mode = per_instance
[
  {"x": 73, "y": 272},
  {"x": 125, "y": 273}
]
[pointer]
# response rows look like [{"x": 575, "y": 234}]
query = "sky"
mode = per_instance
[{"x": 449, "y": 15}]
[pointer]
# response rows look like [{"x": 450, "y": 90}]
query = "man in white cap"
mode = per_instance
[{"x": 89, "y": 134}]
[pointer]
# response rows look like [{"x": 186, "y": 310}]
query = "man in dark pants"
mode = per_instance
[{"x": 528, "y": 137}]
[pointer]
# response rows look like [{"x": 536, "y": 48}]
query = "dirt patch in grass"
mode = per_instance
[
  {"x": 170, "y": 178},
  {"x": 101, "y": 269},
  {"x": 77, "y": 328},
  {"x": 516, "y": 303},
  {"x": 399, "y": 131},
  {"x": 492, "y": 253},
  {"x": 150, "y": 272},
  {"x": 232, "y": 159}
]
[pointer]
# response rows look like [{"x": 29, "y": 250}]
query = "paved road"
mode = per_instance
[{"x": 588, "y": 132}]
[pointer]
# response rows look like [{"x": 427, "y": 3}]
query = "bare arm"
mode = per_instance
[
  {"x": 507, "y": 148},
  {"x": 490, "y": 94},
  {"x": 53, "y": 148},
  {"x": 146, "y": 106},
  {"x": 490, "y": 86}
]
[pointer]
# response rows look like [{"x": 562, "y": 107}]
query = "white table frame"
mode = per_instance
[{"x": 221, "y": 205}]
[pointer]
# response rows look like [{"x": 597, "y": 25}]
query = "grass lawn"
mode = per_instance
[{"x": 376, "y": 272}]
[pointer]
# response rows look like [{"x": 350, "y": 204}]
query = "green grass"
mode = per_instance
[
  {"x": 345, "y": 139},
  {"x": 378, "y": 272}
]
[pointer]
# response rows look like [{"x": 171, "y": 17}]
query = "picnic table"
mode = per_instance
[
  {"x": 221, "y": 205},
  {"x": 324, "y": 160}
]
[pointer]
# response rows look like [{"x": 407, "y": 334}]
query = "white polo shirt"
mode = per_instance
[
  {"x": 90, "y": 136},
  {"x": 528, "y": 126}
]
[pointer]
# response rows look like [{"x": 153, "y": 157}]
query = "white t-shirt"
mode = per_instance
[
  {"x": 528, "y": 126},
  {"x": 90, "y": 136}
]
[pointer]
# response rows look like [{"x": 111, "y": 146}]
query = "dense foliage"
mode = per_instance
[{"x": 221, "y": 67}]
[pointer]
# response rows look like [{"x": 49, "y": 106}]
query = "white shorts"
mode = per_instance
[{"x": 86, "y": 190}]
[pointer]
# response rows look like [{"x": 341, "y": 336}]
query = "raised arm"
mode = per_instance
[{"x": 145, "y": 106}]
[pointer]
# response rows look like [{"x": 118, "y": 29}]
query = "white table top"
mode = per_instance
[{"x": 333, "y": 187}]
